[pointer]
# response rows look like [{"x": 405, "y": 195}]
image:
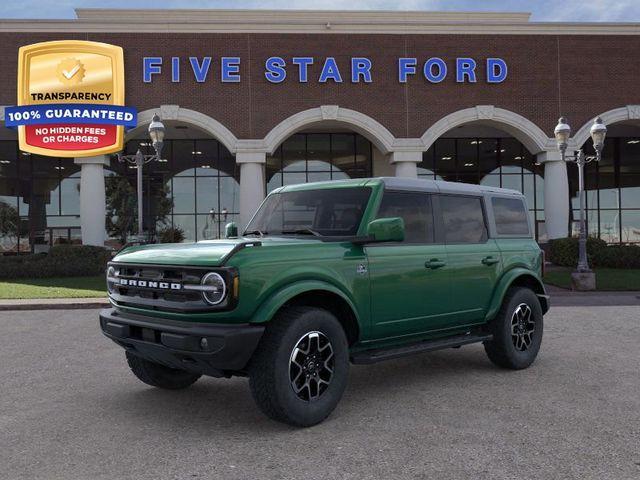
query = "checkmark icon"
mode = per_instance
[{"x": 71, "y": 73}]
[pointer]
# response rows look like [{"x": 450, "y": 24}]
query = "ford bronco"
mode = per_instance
[{"x": 327, "y": 274}]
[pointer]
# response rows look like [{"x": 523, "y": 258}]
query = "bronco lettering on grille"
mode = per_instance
[{"x": 148, "y": 284}]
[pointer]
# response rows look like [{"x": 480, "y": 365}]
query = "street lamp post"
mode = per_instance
[
  {"x": 156, "y": 133},
  {"x": 583, "y": 278}
]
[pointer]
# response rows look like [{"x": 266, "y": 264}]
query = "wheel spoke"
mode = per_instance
[
  {"x": 311, "y": 366},
  {"x": 522, "y": 327}
]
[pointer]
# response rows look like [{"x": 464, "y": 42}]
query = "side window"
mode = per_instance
[
  {"x": 463, "y": 219},
  {"x": 414, "y": 209},
  {"x": 511, "y": 216}
]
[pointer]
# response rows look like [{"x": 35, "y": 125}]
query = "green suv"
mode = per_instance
[{"x": 327, "y": 274}]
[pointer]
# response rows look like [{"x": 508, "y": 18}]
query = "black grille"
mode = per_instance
[{"x": 163, "y": 299}]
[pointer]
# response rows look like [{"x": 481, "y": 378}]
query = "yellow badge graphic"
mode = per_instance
[
  {"x": 71, "y": 99},
  {"x": 70, "y": 71}
]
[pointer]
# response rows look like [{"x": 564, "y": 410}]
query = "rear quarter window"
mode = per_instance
[{"x": 511, "y": 216}]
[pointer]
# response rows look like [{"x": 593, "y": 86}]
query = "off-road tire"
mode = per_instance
[
  {"x": 502, "y": 349},
  {"x": 269, "y": 369},
  {"x": 158, "y": 375}
]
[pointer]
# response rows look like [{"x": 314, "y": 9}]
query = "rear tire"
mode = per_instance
[
  {"x": 517, "y": 330},
  {"x": 158, "y": 375},
  {"x": 299, "y": 370}
]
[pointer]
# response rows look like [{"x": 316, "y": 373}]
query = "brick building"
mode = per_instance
[{"x": 256, "y": 99}]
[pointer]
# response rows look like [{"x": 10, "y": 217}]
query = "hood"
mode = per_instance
[{"x": 206, "y": 253}]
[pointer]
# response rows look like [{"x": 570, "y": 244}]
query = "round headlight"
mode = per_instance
[
  {"x": 111, "y": 273},
  {"x": 215, "y": 288}
]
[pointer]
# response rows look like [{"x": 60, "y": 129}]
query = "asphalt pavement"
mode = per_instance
[{"x": 70, "y": 409}]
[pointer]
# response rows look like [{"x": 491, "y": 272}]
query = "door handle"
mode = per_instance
[
  {"x": 490, "y": 260},
  {"x": 434, "y": 263}
]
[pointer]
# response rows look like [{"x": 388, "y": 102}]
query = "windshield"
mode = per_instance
[{"x": 325, "y": 212}]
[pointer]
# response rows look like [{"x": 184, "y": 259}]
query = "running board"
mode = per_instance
[{"x": 378, "y": 355}]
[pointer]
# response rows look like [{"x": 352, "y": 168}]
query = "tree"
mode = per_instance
[
  {"x": 9, "y": 221},
  {"x": 122, "y": 207}
]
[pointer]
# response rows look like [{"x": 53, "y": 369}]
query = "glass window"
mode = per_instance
[
  {"x": 510, "y": 215},
  {"x": 319, "y": 152},
  {"x": 631, "y": 226},
  {"x": 426, "y": 166},
  {"x": 294, "y": 153},
  {"x": 8, "y": 159},
  {"x": 609, "y": 225},
  {"x": 488, "y": 155},
  {"x": 463, "y": 219},
  {"x": 229, "y": 194},
  {"x": 467, "y": 156},
  {"x": 206, "y": 157},
  {"x": 335, "y": 211},
  {"x": 183, "y": 195},
  {"x": 315, "y": 157},
  {"x": 511, "y": 155},
  {"x": 70, "y": 196},
  {"x": 630, "y": 191},
  {"x": 207, "y": 194},
  {"x": 514, "y": 182},
  {"x": 629, "y": 155},
  {"x": 182, "y": 161},
  {"x": 188, "y": 225},
  {"x": 414, "y": 209},
  {"x": 445, "y": 158}
]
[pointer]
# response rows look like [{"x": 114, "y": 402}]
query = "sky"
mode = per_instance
[{"x": 542, "y": 10}]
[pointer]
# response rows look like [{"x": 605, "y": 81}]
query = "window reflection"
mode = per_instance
[
  {"x": 315, "y": 157},
  {"x": 612, "y": 191},
  {"x": 495, "y": 162},
  {"x": 199, "y": 180}
]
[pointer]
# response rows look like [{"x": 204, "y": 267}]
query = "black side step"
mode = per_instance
[{"x": 378, "y": 355}]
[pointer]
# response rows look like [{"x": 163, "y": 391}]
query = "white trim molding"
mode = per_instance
[
  {"x": 531, "y": 136},
  {"x": 200, "y": 120},
  {"x": 373, "y": 130},
  {"x": 622, "y": 114},
  {"x": 312, "y": 21}
]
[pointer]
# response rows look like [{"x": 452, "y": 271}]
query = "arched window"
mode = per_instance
[
  {"x": 314, "y": 157},
  {"x": 498, "y": 162},
  {"x": 194, "y": 188}
]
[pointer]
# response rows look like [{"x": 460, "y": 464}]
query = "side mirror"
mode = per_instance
[
  {"x": 386, "y": 230},
  {"x": 230, "y": 230}
]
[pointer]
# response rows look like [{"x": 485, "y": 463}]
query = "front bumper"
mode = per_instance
[{"x": 182, "y": 345}]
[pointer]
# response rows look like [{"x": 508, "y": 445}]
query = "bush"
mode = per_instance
[
  {"x": 564, "y": 252},
  {"x": 61, "y": 261},
  {"x": 171, "y": 235},
  {"x": 618, "y": 256}
]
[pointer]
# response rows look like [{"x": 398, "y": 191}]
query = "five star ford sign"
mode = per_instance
[{"x": 70, "y": 99}]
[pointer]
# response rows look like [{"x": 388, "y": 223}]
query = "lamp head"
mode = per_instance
[
  {"x": 156, "y": 133},
  {"x": 598, "y": 132},
  {"x": 562, "y": 133}
]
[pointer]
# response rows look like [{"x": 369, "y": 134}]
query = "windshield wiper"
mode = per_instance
[
  {"x": 254, "y": 232},
  {"x": 302, "y": 231}
]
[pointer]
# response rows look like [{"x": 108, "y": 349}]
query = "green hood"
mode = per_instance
[{"x": 206, "y": 253}]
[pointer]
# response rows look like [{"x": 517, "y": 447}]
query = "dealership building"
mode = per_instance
[{"x": 253, "y": 100}]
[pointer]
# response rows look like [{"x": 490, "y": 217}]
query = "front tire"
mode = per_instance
[
  {"x": 299, "y": 371},
  {"x": 158, "y": 375},
  {"x": 517, "y": 330}
]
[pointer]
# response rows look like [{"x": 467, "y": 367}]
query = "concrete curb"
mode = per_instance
[{"x": 53, "y": 304}]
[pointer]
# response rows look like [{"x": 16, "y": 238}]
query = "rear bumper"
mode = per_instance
[{"x": 209, "y": 349}]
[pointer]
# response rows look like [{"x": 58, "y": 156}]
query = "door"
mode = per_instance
[
  {"x": 409, "y": 281},
  {"x": 474, "y": 259}
]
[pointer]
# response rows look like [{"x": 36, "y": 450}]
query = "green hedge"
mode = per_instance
[
  {"x": 61, "y": 261},
  {"x": 564, "y": 252}
]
